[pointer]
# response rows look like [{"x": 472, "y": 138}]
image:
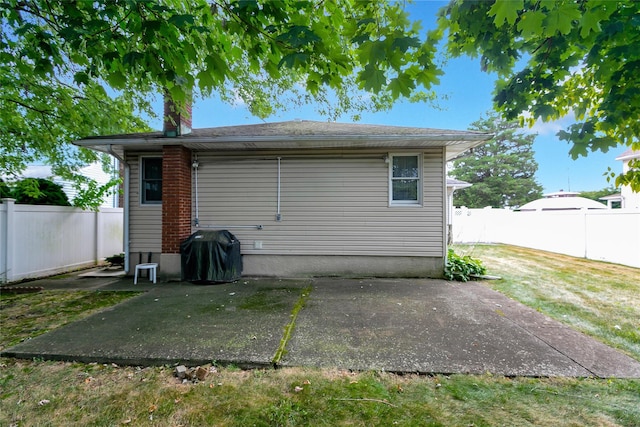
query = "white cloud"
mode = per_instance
[
  {"x": 238, "y": 101},
  {"x": 550, "y": 128}
]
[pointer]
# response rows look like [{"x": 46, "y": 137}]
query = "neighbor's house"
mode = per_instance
[
  {"x": 453, "y": 185},
  {"x": 561, "y": 201},
  {"x": 303, "y": 197},
  {"x": 629, "y": 199}
]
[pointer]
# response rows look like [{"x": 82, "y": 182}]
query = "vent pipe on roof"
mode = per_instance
[{"x": 177, "y": 118}]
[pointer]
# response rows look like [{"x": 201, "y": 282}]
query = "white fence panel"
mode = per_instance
[
  {"x": 109, "y": 230},
  {"x": 3, "y": 241},
  {"x": 614, "y": 236},
  {"x": 43, "y": 240},
  {"x": 606, "y": 235}
]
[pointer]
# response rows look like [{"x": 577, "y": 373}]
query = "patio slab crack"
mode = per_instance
[{"x": 288, "y": 329}]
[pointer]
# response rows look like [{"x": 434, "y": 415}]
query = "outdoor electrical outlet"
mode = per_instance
[
  {"x": 278, "y": 217},
  {"x": 257, "y": 244}
]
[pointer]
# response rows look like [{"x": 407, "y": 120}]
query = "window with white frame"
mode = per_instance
[
  {"x": 150, "y": 180},
  {"x": 405, "y": 179}
]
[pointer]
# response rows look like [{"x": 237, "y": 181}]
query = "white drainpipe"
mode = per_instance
[
  {"x": 278, "y": 214},
  {"x": 125, "y": 225},
  {"x": 195, "y": 164}
]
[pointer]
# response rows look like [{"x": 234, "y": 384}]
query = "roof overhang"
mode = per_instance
[
  {"x": 628, "y": 155},
  {"x": 612, "y": 198},
  {"x": 456, "y": 184},
  {"x": 249, "y": 138}
]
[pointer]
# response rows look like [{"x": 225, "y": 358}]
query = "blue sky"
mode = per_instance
[{"x": 469, "y": 94}]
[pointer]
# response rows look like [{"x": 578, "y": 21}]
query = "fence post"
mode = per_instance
[
  {"x": 8, "y": 244},
  {"x": 98, "y": 241}
]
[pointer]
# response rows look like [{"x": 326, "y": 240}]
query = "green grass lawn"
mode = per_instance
[
  {"x": 24, "y": 316},
  {"x": 48, "y": 393},
  {"x": 597, "y": 298},
  {"x": 593, "y": 297}
]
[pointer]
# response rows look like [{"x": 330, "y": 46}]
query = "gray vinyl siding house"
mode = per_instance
[{"x": 304, "y": 198}]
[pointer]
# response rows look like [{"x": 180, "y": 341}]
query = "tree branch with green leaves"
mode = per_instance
[
  {"x": 108, "y": 57},
  {"x": 98, "y": 64},
  {"x": 559, "y": 57}
]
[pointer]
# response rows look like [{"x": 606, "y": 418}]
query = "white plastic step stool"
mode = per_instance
[{"x": 151, "y": 266}]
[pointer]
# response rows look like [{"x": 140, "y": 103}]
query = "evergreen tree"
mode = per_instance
[{"x": 502, "y": 170}]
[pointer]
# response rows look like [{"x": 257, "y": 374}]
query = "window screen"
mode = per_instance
[{"x": 405, "y": 180}]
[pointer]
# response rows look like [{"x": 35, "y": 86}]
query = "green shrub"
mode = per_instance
[
  {"x": 5, "y": 190},
  {"x": 461, "y": 268},
  {"x": 117, "y": 259},
  {"x": 39, "y": 191}
]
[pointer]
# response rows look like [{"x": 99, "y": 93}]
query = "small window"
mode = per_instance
[
  {"x": 405, "y": 180},
  {"x": 151, "y": 181}
]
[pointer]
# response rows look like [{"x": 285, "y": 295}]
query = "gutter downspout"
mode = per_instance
[
  {"x": 125, "y": 225},
  {"x": 194, "y": 165},
  {"x": 278, "y": 214}
]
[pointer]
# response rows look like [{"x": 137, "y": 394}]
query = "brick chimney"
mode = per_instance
[
  {"x": 176, "y": 186},
  {"x": 177, "y": 121}
]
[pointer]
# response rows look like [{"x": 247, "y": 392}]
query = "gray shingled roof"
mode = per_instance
[{"x": 293, "y": 135}]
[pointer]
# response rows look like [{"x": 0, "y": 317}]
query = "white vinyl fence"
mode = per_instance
[
  {"x": 36, "y": 241},
  {"x": 611, "y": 235}
]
